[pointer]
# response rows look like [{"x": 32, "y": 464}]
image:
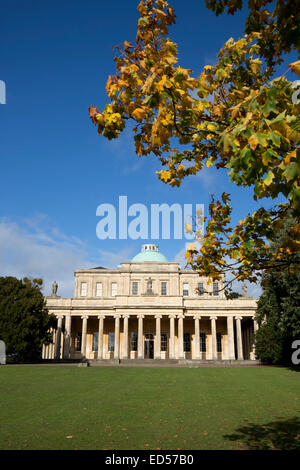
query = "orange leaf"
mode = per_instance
[{"x": 139, "y": 113}]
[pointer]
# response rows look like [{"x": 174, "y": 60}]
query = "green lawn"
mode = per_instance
[{"x": 149, "y": 408}]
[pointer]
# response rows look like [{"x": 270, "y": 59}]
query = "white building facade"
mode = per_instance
[{"x": 149, "y": 308}]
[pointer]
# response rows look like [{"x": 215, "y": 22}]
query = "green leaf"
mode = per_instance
[
  {"x": 247, "y": 154},
  {"x": 147, "y": 99},
  {"x": 279, "y": 118},
  {"x": 179, "y": 77},
  {"x": 248, "y": 245},
  {"x": 269, "y": 107},
  {"x": 143, "y": 21},
  {"x": 292, "y": 171},
  {"x": 268, "y": 156},
  {"x": 269, "y": 178},
  {"x": 262, "y": 138},
  {"x": 166, "y": 96},
  {"x": 275, "y": 137}
]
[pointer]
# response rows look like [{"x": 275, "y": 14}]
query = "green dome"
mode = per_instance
[{"x": 149, "y": 253}]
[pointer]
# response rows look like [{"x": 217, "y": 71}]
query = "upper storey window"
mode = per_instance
[
  {"x": 83, "y": 289},
  {"x": 135, "y": 288},
  {"x": 185, "y": 289},
  {"x": 99, "y": 291},
  {"x": 200, "y": 290},
  {"x": 114, "y": 289},
  {"x": 163, "y": 288},
  {"x": 216, "y": 288}
]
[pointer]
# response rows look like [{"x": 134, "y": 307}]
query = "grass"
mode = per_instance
[{"x": 149, "y": 408}]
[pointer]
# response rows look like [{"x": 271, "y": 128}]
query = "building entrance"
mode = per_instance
[{"x": 149, "y": 346}]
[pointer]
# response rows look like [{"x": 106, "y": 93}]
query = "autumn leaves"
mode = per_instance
[{"x": 231, "y": 117}]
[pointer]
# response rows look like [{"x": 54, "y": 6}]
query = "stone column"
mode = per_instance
[
  {"x": 48, "y": 348},
  {"x": 58, "y": 336},
  {"x": 125, "y": 336},
  {"x": 52, "y": 345},
  {"x": 214, "y": 338},
  {"x": 140, "y": 336},
  {"x": 117, "y": 337},
  {"x": 180, "y": 337},
  {"x": 255, "y": 328},
  {"x": 197, "y": 337},
  {"x": 67, "y": 337},
  {"x": 157, "y": 337},
  {"x": 83, "y": 337},
  {"x": 239, "y": 338},
  {"x": 172, "y": 336},
  {"x": 100, "y": 336},
  {"x": 230, "y": 339},
  {"x": 247, "y": 342}
]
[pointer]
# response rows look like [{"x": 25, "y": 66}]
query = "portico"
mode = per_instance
[{"x": 160, "y": 336}]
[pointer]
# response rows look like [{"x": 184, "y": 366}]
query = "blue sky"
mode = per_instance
[{"x": 55, "y": 59}]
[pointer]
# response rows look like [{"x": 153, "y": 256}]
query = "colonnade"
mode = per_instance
[{"x": 124, "y": 353}]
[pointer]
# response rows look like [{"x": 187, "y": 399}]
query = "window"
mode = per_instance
[
  {"x": 164, "y": 342},
  {"x": 202, "y": 342},
  {"x": 200, "y": 288},
  {"x": 219, "y": 342},
  {"x": 78, "y": 342},
  {"x": 215, "y": 288},
  {"x": 83, "y": 290},
  {"x": 163, "y": 288},
  {"x": 95, "y": 341},
  {"x": 111, "y": 342},
  {"x": 99, "y": 289},
  {"x": 113, "y": 289},
  {"x": 135, "y": 288},
  {"x": 133, "y": 341},
  {"x": 187, "y": 342},
  {"x": 185, "y": 289}
]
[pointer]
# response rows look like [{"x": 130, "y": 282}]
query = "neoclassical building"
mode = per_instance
[{"x": 149, "y": 308}]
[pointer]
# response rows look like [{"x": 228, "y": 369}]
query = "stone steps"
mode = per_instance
[{"x": 170, "y": 362}]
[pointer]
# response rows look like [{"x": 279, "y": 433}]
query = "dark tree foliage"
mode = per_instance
[
  {"x": 24, "y": 319},
  {"x": 279, "y": 22},
  {"x": 278, "y": 312}
]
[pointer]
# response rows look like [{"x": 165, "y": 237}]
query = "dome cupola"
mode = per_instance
[{"x": 150, "y": 253}]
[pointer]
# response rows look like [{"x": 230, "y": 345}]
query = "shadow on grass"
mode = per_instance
[{"x": 276, "y": 435}]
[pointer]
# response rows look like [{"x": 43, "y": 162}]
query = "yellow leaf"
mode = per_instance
[
  {"x": 209, "y": 162},
  {"x": 269, "y": 178},
  {"x": 255, "y": 65},
  {"x": 253, "y": 142},
  {"x": 164, "y": 82},
  {"x": 139, "y": 113},
  {"x": 148, "y": 83},
  {"x": 264, "y": 159},
  {"x": 295, "y": 67},
  {"x": 235, "y": 111},
  {"x": 288, "y": 157},
  {"x": 165, "y": 175}
]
